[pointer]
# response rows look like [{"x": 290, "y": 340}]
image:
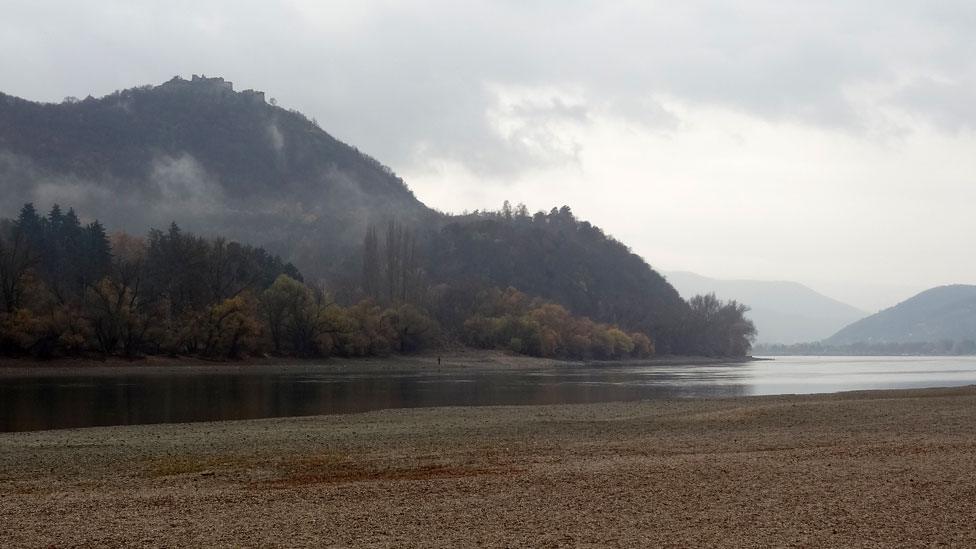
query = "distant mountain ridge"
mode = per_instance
[
  {"x": 944, "y": 313},
  {"x": 784, "y": 312}
]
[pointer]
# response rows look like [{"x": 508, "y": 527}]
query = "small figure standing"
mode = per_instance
[{"x": 438, "y": 361}]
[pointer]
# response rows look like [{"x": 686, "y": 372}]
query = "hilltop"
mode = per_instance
[
  {"x": 944, "y": 313},
  {"x": 197, "y": 152}
]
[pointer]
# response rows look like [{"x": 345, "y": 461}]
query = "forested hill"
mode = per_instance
[
  {"x": 218, "y": 162},
  {"x": 199, "y": 153},
  {"x": 945, "y": 313},
  {"x": 563, "y": 259}
]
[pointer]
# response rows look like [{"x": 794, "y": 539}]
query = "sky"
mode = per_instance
[{"x": 831, "y": 143}]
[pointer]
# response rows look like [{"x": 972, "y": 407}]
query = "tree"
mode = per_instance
[
  {"x": 68, "y": 288},
  {"x": 507, "y": 210},
  {"x": 371, "y": 263},
  {"x": 177, "y": 269},
  {"x": 414, "y": 329},
  {"x": 366, "y": 331},
  {"x": 402, "y": 267},
  {"x": 716, "y": 328},
  {"x": 17, "y": 257},
  {"x": 229, "y": 328},
  {"x": 277, "y": 303},
  {"x": 96, "y": 255},
  {"x": 112, "y": 314},
  {"x": 297, "y": 317}
]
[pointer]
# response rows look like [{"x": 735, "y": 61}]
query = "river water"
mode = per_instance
[{"x": 130, "y": 397}]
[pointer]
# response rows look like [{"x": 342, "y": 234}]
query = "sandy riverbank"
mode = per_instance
[
  {"x": 870, "y": 469},
  {"x": 456, "y": 359}
]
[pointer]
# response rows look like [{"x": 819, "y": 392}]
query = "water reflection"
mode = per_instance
[{"x": 33, "y": 403}]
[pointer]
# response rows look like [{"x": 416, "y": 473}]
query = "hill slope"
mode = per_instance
[
  {"x": 197, "y": 152},
  {"x": 784, "y": 312},
  {"x": 942, "y": 313},
  {"x": 221, "y": 162},
  {"x": 565, "y": 260}
]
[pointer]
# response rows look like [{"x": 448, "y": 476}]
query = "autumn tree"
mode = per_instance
[{"x": 297, "y": 317}]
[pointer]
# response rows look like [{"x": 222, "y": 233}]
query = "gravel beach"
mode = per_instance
[{"x": 869, "y": 469}]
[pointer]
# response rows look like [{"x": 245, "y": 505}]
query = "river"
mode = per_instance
[{"x": 32, "y": 402}]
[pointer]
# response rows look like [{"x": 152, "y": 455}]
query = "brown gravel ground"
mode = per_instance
[{"x": 871, "y": 469}]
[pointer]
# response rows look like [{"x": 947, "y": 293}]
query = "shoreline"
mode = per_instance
[
  {"x": 866, "y": 468},
  {"x": 454, "y": 360}
]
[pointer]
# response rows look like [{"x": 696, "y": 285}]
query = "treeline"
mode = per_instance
[
  {"x": 69, "y": 289},
  {"x": 946, "y": 347},
  {"x": 480, "y": 315}
]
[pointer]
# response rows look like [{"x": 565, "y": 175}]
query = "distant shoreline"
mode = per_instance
[{"x": 468, "y": 360}]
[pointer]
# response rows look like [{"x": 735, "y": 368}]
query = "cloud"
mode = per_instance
[
  {"x": 414, "y": 81},
  {"x": 798, "y": 115},
  {"x": 947, "y": 104}
]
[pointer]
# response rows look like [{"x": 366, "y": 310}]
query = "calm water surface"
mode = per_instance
[{"x": 54, "y": 402}]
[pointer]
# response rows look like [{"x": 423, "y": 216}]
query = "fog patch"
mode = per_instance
[
  {"x": 117, "y": 204},
  {"x": 276, "y": 138},
  {"x": 183, "y": 187},
  {"x": 82, "y": 195},
  {"x": 17, "y": 176}
]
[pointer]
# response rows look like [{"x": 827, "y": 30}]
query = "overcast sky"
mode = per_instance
[{"x": 829, "y": 142}]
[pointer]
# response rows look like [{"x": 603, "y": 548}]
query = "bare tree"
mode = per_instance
[{"x": 16, "y": 260}]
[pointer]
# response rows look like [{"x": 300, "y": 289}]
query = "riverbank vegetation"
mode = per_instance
[{"x": 70, "y": 289}]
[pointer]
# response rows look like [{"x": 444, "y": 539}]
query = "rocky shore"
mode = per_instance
[{"x": 871, "y": 469}]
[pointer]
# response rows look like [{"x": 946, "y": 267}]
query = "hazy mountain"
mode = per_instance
[
  {"x": 784, "y": 312},
  {"x": 942, "y": 313},
  {"x": 196, "y": 152}
]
